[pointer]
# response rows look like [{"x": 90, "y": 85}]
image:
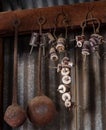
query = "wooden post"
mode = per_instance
[{"x": 1, "y": 83}]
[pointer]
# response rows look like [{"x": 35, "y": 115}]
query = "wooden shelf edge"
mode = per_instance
[
  {"x": 76, "y": 13},
  {"x": 1, "y": 83}
]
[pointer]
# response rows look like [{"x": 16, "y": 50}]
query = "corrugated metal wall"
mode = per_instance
[
  {"x": 9, "y": 5},
  {"x": 88, "y": 86},
  {"x": 88, "y": 79}
]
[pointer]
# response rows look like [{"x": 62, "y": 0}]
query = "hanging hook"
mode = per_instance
[
  {"x": 15, "y": 21},
  {"x": 91, "y": 19},
  {"x": 90, "y": 15},
  {"x": 35, "y": 36},
  {"x": 65, "y": 21},
  {"x": 58, "y": 15},
  {"x": 66, "y": 24},
  {"x": 41, "y": 21},
  {"x": 85, "y": 22}
]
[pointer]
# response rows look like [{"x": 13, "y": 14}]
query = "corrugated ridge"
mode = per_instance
[{"x": 8, "y": 5}]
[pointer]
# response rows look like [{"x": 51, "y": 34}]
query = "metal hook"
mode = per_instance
[
  {"x": 58, "y": 15},
  {"x": 41, "y": 20},
  {"x": 89, "y": 12},
  {"x": 90, "y": 15},
  {"x": 84, "y": 24},
  {"x": 16, "y": 21},
  {"x": 93, "y": 20},
  {"x": 65, "y": 22},
  {"x": 35, "y": 36}
]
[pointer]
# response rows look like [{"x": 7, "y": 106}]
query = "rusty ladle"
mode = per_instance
[
  {"x": 41, "y": 109},
  {"x": 15, "y": 114}
]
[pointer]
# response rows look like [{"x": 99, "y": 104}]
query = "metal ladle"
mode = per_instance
[
  {"x": 15, "y": 114},
  {"x": 41, "y": 109}
]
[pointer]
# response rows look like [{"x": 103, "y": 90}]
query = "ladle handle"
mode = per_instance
[
  {"x": 14, "y": 100},
  {"x": 39, "y": 91},
  {"x": 41, "y": 21}
]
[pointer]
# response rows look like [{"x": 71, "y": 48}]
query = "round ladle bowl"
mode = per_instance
[
  {"x": 15, "y": 115},
  {"x": 41, "y": 109}
]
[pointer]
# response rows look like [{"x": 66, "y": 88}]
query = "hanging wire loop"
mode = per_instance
[
  {"x": 95, "y": 22},
  {"x": 65, "y": 21},
  {"x": 41, "y": 21}
]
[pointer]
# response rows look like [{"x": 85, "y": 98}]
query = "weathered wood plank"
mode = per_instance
[
  {"x": 1, "y": 83},
  {"x": 76, "y": 13}
]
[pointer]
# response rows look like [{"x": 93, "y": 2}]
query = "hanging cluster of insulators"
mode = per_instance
[
  {"x": 52, "y": 51},
  {"x": 91, "y": 45},
  {"x": 64, "y": 68},
  {"x": 57, "y": 46}
]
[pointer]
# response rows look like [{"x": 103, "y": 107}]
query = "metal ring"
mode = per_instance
[
  {"x": 41, "y": 20},
  {"x": 16, "y": 22}
]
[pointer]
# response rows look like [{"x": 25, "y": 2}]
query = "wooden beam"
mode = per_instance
[
  {"x": 1, "y": 83},
  {"x": 76, "y": 13}
]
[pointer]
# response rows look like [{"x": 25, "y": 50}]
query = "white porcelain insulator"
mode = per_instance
[
  {"x": 66, "y": 96},
  {"x": 67, "y": 103},
  {"x": 66, "y": 79},
  {"x": 60, "y": 47},
  {"x": 79, "y": 43},
  {"x": 62, "y": 88},
  {"x": 54, "y": 57},
  {"x": 65, "y": 71}
]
